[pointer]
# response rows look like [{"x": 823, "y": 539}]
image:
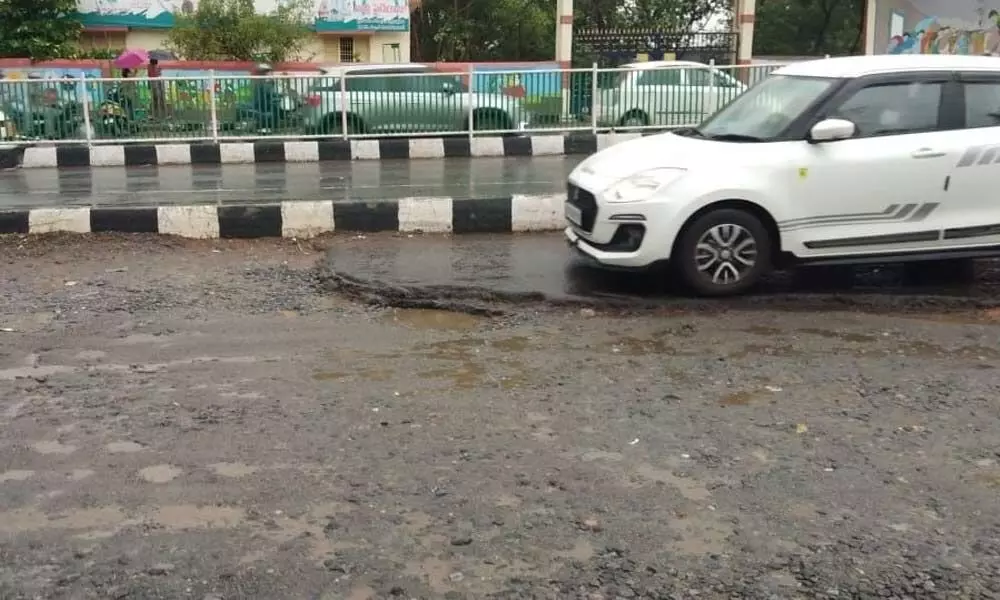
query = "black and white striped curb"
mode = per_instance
[
  {"x": 301, "y": 219},
  {"x": 278, "y": 151}
]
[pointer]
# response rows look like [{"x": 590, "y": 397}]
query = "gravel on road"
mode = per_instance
[{"x": 207, "y": 420}]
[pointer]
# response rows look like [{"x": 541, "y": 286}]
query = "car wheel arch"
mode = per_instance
[{"x": 765, "y": 217}]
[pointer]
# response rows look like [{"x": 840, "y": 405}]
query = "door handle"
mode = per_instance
[{"x": 928, "y": 153}]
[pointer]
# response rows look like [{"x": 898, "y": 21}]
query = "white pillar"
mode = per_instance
[
  {"x": 564, "y": 31},
  {"x": 564, "y": 47},
  {"x": 870, "y": 12},
  {"x": 745, "y": 15}
]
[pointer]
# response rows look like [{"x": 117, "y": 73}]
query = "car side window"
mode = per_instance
[
  {"x": 723, "y": 80},
  {"x": 982, "y": 104},
  {"x": 893, "y": 108},
  {"x": 667, "y": 76},
  {"x": 411, "y": 82},
  {"x": 366, "y": 83},
  {"x": 705, "y": 77}
]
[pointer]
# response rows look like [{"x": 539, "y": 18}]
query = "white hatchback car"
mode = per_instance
[{"x": 841, "y": 160}]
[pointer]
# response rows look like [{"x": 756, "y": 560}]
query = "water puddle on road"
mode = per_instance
[
  {"x": 634, "y": 346},
  {"x": 846, "y": 336},
  {"x": 421, "y": 318},
  {"x": 741, "y": 398},
  {"x": 758, "y": 350},
  {"x": 366, "y": 374}
]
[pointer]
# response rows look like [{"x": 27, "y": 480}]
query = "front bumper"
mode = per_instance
[{"x": 636, "y": 235}]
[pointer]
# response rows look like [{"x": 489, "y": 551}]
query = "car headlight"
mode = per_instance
[{"x": 640, "y": 186}]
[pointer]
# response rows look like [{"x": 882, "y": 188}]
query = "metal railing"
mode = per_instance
[{"x": 477, "y": 102}]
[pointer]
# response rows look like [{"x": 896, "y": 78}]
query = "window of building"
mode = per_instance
[{"x": 346, "y": 49}]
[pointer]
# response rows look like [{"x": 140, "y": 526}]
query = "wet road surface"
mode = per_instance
[
  {"x": 545, "y": 264},
  {"x": 267, "y": 182},
  {"x": 203, "y": 419}
]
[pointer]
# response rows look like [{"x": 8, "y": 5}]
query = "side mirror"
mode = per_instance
[{"x": 831, "y": 130}]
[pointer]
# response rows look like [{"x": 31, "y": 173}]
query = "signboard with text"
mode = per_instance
[{"x": 329, "y": 15}]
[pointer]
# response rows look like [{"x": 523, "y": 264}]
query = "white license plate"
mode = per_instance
[{"x": 574, "y": 215}]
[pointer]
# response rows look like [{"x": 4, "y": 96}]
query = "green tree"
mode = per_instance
[
  {"x": 474, "y": 30},
  {"x": 808, "y": 27},
  {"x": 469, "y": 30},
  {"x": 233, "y": 30},
  {"x": 38, "y": 29}
]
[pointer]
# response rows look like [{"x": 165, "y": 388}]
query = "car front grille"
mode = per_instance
[{"x": 587, "y": 204}]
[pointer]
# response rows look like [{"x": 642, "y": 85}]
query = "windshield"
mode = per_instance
[{"x": 766, "y": 109}]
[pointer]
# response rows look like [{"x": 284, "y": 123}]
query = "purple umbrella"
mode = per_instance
[{"x": 130, "y": 59}]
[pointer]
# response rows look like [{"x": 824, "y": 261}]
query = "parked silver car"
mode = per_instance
[{"x": 403, "y": 98}]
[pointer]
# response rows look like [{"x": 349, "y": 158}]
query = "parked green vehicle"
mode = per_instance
[{"x": 404, "y": 98}]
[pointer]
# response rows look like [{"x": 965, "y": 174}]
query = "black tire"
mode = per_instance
[
  {"x": 332, "y": 125},
  {"x": 712, "y": 280},
  {"x": 641, "y": 117},
  {"x": 491, "y": 120}
]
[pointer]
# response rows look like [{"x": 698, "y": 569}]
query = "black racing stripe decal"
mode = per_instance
[
  {"x": 889, "y": 210},
  {"x": 876, "y": 240},
  {"x": 969, "y": 158},
  {"x": 960, "y": 233}
]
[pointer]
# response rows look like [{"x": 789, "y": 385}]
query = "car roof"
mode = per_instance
[
  {"x": 364, "y": 68},
  {"x": 657, "y": 64},
  {"x": 859, "y": 66}
]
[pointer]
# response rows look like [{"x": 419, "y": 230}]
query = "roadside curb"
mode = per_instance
[
  {"x": 301, "y": 219},
  {"x": 33, "y": 156}
]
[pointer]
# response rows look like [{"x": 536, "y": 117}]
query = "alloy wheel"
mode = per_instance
[{"x": 725, "y": 253}]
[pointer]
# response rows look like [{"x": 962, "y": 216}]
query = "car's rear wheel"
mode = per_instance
[
  {"x": 635, "y": 118},
  {"x": 723, "y": 252},
  {"x": 333, "y": 125},
  {"x": 491, "y": 120}
]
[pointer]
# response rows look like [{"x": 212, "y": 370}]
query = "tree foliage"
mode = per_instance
[
  {"x": 808, "y": 27},
  {"x": 233, "y": 30},
  {"x": 38, "y": 29},
  {"x": 471, "y": 30}
]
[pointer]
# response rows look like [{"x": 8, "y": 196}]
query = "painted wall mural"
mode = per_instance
[
  {"x": 970, "y": 27},
  {"x": 330, "y": 15}
]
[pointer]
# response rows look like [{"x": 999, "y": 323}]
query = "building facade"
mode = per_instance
[
  {"x": 934, "y": 27},
  {"x": 346, "y": 30}
]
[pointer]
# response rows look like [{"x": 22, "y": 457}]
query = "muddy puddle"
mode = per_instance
[{"x": 422, "y": 318}]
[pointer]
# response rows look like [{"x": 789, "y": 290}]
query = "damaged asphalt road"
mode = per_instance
[{"x": 209, "y": 420}]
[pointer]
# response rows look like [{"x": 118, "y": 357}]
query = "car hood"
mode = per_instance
[{"x": 656, "y": 152}]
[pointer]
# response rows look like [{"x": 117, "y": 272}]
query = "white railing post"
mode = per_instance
[
  {"x": 212, "y": 105},
  {"x": 343, "y": 104},
  {"x": 85, "y": 107},
  {"x": 594, "y": 89},
  {"x": 713, "y": 92},
  {"x": 472, "y": 103}
]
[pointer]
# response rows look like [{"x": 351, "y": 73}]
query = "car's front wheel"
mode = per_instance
[{"x": 723, "y": 252}]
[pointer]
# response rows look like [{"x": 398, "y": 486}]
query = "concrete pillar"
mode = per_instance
[
  {"x": 869, "y": 26},
  {"x": 745, "y": 15},
  {"x": 564, "y": 46}
]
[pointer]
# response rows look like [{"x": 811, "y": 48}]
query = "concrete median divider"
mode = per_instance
[
  {"x": 42, "y": 155},
  {"x": 301, "y": 219}
]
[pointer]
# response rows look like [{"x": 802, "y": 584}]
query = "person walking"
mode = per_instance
[{"x": 156, "y": 89}]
